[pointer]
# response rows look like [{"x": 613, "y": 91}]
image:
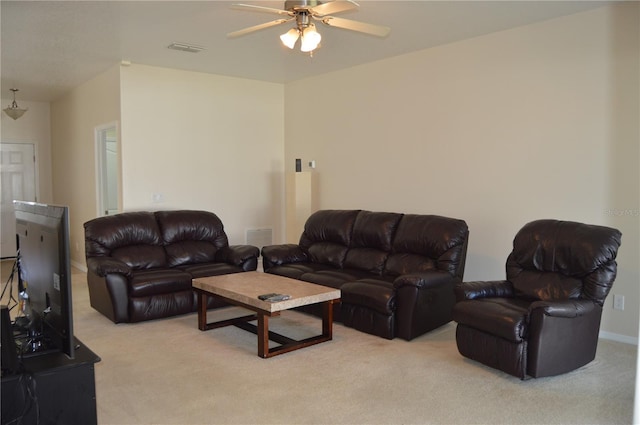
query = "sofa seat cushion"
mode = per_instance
[
  {"x": 374, "y": 294},
  {"x": 333, "y": 277},
  {"x": 158, "y": 281},
  {"x": 210, "y": 269},
  {"x": 296, "y": 270},
  {"x": 503, "y": 317}
]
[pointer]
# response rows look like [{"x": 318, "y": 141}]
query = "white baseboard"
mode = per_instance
[{"x": 618, "y": 338}]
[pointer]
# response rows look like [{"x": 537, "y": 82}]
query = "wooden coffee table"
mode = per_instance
[{"x": 242, "y": 289}]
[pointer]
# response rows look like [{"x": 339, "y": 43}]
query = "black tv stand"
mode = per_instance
[
  {"x": 52, "y": 388},
  {"x": 31, "y": 343}
]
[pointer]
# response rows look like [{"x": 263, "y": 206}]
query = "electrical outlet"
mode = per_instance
[{"x": 618, "y": 302}]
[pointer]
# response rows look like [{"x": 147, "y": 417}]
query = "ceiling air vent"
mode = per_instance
[{"x": 184, "y": 47}]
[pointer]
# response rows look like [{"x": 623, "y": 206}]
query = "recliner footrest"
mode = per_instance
[
  {"x": 378, "y": 296},
  {"x": 369, "y": 307}
]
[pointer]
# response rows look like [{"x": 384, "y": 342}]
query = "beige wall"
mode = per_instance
[
  {"x": 536, "y": 122},
  {"x": 32, "y": 127},
  {"x": 202, "y": 141},
  {"x": 73, "y": 121}
]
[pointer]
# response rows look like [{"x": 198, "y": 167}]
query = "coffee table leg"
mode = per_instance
[
  {"x": 202, "y": 310},
  {"x": 327, "y": 319},
  {"x": 263, "y": 335}
]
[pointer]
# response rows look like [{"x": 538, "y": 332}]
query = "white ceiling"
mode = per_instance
[{"x": 49, "y": 47}]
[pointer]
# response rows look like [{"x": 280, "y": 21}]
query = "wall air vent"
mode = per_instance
[
  {"x": 184, "y": 47},
  {"x": 259, "y": 237}
]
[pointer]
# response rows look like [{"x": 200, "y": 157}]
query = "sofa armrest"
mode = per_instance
[
  {"x": 103, "y": 266},
  {"x": 424, "y": 301},
  {"x": 108, "y": 284},
  {"x": 277, "y": 255},
  {"x": 568, "y": 308},
  {"x": 423, "y": 280},
  {"x": 483, "y": 289},
  {"x": 239, "y": 255}
]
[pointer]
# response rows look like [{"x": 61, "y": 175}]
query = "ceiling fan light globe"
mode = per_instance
[
  {"x": 310, "y": 39},
  {"x": 290, "y": 37}
]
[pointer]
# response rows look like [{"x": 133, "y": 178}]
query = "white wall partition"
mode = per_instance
[
  {"x": 202, "y": 141},
  {"x": 74, "y": 117}
]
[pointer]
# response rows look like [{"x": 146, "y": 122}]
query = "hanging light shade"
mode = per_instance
[
  {"x": 13, "y": 110},
  {"x": 290, "y": 37},
  {"x": 310, "y": 39}
]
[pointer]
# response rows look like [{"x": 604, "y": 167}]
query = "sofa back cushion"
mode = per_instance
[
  {"x": 133, "y": 238},
  {"x": 371, "y": 241},
  {"x": 191, "y": 237},
  {"x": 427, "y": 242},
  {"x": 327, "y": 235},
  {"x": 560, "y": 260}
]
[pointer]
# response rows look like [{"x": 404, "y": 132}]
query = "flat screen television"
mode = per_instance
[{"x": 45, "y": 272}]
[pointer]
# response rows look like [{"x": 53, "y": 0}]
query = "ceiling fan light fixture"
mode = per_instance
[
  {"x": 290, "y": 37},
  {"x": 13, "y": 110},
  {"x": 310, "y": 39},
  {"x": 303, "y": 12}
]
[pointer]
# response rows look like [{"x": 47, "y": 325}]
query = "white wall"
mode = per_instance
[
  {"x": 32, "y": 127},
  {"x": 535, "y": 122},
  {"x": 202, "y": 141},
  {"x": 74, "y": 118}
]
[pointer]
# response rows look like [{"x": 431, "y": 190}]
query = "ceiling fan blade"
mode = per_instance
[
  {"x": 263, "y": 9},
  {"x": 255, "y": 28},
  {"x": 333, "y": 7},
  {"x": 348, "y": 24}
]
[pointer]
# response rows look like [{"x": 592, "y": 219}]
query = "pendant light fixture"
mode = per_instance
[{"x": 13, "y": 110}]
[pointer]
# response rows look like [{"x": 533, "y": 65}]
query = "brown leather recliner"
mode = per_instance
[{"x": 544, "y": 319}]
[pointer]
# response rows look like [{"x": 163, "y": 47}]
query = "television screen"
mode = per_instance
[{"x": 45, "y": 270}]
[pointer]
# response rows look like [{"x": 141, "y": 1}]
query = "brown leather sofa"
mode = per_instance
[
  {"x": 544, "y": 319},
  {"x": 396, "y": 272},
  {"x": 141, "y": 264}
]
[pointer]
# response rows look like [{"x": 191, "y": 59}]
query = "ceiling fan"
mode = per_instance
[{"x": 304, "y": 12}]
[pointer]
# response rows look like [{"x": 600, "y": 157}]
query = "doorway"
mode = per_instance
[
  {"x": 18, "y": 177},
  {"x": 107, "y": 169}
]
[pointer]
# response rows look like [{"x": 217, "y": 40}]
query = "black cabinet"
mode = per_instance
[{"x": 52, "y": 389}]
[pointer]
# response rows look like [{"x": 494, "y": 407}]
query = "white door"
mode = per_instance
[
  {"x": 18, "y": 179},
  {"x": 107, "y": 168}
]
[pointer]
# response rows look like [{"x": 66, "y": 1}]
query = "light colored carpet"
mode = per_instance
[{"x": 169, "y": 372}]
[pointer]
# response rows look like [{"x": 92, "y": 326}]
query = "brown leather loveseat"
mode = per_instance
[
  {"x": 396, "y": 272},
  {"x": 141, "y": 264}
]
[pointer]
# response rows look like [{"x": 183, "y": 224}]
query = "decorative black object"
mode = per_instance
[
  {"x": 9, "y": 353},
  {"x": 298, "y": 165}
]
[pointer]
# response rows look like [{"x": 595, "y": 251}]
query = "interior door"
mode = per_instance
[
  {"x": 18, "y": 179},
  {"x": 107, "y": 168}
]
